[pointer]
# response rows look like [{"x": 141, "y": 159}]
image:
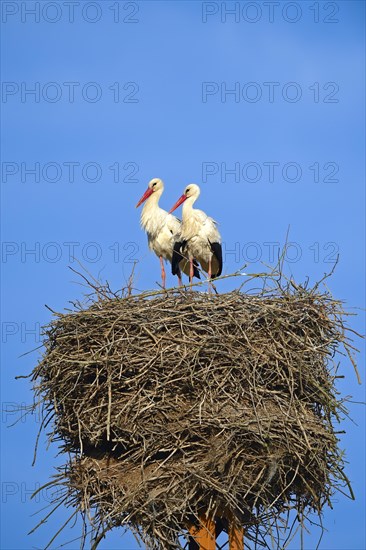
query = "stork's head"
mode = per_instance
[
  {"x": 155, "y": 185},
  {"x": 192, "y": 191}
]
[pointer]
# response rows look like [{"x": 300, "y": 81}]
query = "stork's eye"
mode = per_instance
[
  {"x": 155, "y": 182},
  {"x": 187, "y": 190}
]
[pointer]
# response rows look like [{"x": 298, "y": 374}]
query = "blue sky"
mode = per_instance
[{"x": 263, "y": 109}]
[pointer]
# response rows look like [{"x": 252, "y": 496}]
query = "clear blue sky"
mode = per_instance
[{"x": 125, "y": 91}]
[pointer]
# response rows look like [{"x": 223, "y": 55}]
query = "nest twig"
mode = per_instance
[{"x": 182, "y": 403}]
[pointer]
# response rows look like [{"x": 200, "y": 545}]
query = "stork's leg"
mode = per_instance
[
  {"x": 191, "y": 271},
  {"x": 209, "y": 275},
  {"x": 179, "y": 275},
  {"x": 162, "y": 271}
]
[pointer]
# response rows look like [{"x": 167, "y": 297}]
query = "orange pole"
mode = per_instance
[
  {"x": 236, "y": 537},
  {"x": 204, "y": 535}
]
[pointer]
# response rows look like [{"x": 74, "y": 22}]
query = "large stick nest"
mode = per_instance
[{"x": 183, "y": 403}]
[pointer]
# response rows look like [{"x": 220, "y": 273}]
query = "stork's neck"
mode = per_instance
[
  {"x": 188, "y": 207},
  {"x": 151, "y": 211},
  {"x": 152, "y": 203}
]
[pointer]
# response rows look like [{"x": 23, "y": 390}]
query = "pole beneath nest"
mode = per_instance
[
  {"x": 236, "y": 537},
  {"x": 203, "y": 537}
]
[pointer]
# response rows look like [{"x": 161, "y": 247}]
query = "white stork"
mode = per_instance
[
  {"x": 162, "y": 229},
  {"x": 200, "y": 237}
]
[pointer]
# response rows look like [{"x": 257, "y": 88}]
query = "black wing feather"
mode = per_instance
[
  {"x": 196, "y": 272},
  {"x": 217, "y": 252},
  {"x": 178, "y": 257}
]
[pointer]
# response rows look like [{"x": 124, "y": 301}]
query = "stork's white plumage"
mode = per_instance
[
  {"x": 200, "y": 238},
  {"x": 162, "y": 229}
]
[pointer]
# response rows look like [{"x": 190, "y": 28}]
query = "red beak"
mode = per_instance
[
  {"x": 178, "y": 203},
  {"x": 145, "y": 196}
]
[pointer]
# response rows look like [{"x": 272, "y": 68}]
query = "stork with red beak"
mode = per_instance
[
  {"x": 200, "y": 237},
  {"x": 162, "y": 229}
]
